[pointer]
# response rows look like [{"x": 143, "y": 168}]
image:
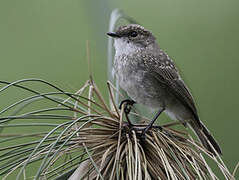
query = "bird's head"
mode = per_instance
[{"x": 131, "y": 38}]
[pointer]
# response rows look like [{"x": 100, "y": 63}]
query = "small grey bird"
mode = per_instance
[{"x": 150, "y": 77}]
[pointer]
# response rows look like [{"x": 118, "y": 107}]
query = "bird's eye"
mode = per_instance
[{"x": 133, "y": 34}]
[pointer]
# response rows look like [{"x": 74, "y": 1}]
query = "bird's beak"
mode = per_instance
[{"x": 113, "y": 35}]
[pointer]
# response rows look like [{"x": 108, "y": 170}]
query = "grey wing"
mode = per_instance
[{"x": 164, "y": 71}]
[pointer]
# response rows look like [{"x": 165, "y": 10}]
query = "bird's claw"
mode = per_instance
[
  {"x": 128, "y": 104},
  {"x": 127, "y": 108},
  {"x": 147, "y": 128}
]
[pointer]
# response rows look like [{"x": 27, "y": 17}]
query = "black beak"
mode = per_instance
[{"x": 113, "y": 35}]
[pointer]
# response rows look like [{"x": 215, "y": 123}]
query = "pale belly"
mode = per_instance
[
  {"x": 147, "y": 91},
  {"x": 141, "y": 89}
]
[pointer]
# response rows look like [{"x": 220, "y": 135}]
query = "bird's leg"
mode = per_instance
[
  {"x": 127, "y": 108},
  {"x": 150, "y": 125}
]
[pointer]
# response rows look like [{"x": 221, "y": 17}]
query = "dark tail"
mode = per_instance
[{"x": 205, "y": 136}]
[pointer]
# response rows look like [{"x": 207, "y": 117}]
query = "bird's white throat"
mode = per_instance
[{"x": 124, "y": 47}]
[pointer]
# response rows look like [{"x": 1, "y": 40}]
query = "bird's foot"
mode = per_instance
[
  {"x": 139, "y": 129},
  {"x": 128, "y": 104},
  {"x": 127, "y": 108},
  {"x": 147, "y": 128}
]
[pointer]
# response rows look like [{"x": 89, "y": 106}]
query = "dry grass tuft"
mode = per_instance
[{"x": 120, "y": 152}]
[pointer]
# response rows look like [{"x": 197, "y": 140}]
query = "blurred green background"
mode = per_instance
[{"x": 47, "y": 39}]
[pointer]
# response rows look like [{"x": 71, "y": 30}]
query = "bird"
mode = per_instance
[{"x": 150, "y": 77}]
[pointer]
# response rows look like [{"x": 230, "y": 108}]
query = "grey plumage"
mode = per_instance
[{"x": 150, "y": 77}]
